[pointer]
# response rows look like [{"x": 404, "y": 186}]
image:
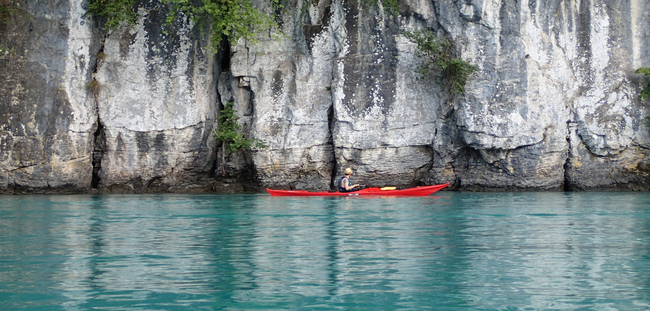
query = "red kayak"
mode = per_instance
[{"x": 389, "y": 191}]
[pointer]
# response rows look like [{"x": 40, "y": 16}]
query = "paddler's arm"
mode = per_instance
[
  {"x": 346, "y": 184},
  {"x": 348, "y": 187}
]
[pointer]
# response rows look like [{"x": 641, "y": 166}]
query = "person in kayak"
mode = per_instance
[{"x": 345, "y": 184}]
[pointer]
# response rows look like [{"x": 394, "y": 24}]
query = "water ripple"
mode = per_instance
[{"x": 454, "y": 251}]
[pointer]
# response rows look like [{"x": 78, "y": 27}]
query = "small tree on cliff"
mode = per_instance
[
  {"x": 229, "y": 133},
  {"x": 439, "y": 62},
  {"x": 645, "y": 93}
]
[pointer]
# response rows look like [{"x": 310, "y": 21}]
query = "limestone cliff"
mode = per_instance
[{"x": 553, "y": 105}]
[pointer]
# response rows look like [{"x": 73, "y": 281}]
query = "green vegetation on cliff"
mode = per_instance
[
  {"x": 645, "y": 93},
  {"x": 7, "y": 10},
  {"x": 390, "y": 6},
  {"x": 4, "y": 13},
  {"x": 229, "y": 19},
  {"x": 114, "y": 12},
  {"x": 226, "y": 19},
  {"x": 439, "y": 61},
  {"x": 229, "y": 133}
]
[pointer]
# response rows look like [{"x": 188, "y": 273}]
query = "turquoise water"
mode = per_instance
[{"x": 451, "y": 251}]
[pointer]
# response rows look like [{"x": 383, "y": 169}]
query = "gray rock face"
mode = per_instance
[
  {"x": 550, "y": 71},
  {"x": 554, "y": 103},
  {"x": 46, "y": 115},
  {"x": 555, "y": 89},
  {"x": 156, "y": 104}
]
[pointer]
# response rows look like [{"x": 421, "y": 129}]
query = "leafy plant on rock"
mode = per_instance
[
  {"x": 645, "y": 93},
  {"x": 229, "y": 133},
  {"x": 439, "y": 61},
  {"x": 6, "y": 10},
  {"x": 4, "y": 13},
  {"x": 390, "y": 6},
  {"x": 114, "y": 12},
  {"x": 230, "y": 19}
]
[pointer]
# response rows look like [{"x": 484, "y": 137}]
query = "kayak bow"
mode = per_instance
[{"x": 417, "y": 191}]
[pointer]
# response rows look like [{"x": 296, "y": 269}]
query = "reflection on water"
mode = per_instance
[
  {"x": 559, "y": 250},
  {"x": 451, "y": 251}
]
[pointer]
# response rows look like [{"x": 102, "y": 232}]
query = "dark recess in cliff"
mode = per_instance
[
  {"x": 330, "y": 141},
  {"x": 98, "y": 152}
]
